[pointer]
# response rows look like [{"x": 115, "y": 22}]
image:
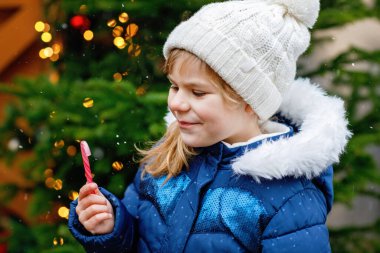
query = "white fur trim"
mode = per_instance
[
  {"x": 270, "y": 127},
  {"x": 322, "y": 137}
]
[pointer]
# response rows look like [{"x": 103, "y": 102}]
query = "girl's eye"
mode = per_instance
[
  {"x": 199, "y": 93},
  {"x": 173, "y": 87}
]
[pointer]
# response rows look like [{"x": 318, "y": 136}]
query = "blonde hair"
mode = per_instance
[{"x": 170, "y": 155}]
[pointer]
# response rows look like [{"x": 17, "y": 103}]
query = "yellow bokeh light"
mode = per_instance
[
  {"x": 131, "y": 30},
  {"x": 117, "y": 77},
  {"x": 119, "y": 42},
  {"x": 48, "y": 173},
  {"x": 42, "y": 54},
  {"x": 117, "y": 165},
  {"x": 54, "y": 76},
  {"x": 88, "y": 35},
  {"x": 46, "y": 27},
  {"x": 71, "y": 150},
  {"x": 88, "y": 102},
  {"x": 58, "y": 241},
  {"x": 117, "y": 31},
  {"x": 134, "y": 50},
  {"x": 58, "y": 184},
  {"x": 48, "y": 52},
  {"x": 111, "y": 23},
  {"x": 49, "y": 182},
  {"x": 54, "y": 57},
  {"x": 83, "y": 8},
  {"x": 46, "y": 37},
  {"x": 59, "y": 144},
  {"x": 73, "y": 195},
  {"x": 123, "y": 17},
  {"x": 63, "y": 212},
  {"x": 56, "y": 48},
  {"x": 52, "y": 114},
  {"x": 39, "y": 26},
  {"x": 140, "y": 91}
]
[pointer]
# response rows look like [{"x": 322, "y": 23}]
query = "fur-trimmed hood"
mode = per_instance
[{"x": 321, "y": 139}]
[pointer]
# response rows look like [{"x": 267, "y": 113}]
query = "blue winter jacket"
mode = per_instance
[{"x": 236, "y": 198}]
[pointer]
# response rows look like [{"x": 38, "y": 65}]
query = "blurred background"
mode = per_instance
[{"x": 91, "y": 69}]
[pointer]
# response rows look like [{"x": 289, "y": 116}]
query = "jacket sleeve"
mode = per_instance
[
  {"x": 122, "y": 238},
  {"x": 298, "y": 226}
]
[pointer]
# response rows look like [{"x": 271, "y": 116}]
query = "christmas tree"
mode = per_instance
[{"x": 106, "y": 87}]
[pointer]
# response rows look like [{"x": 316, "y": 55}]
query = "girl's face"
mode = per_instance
[{"x": 203, "y": 116}]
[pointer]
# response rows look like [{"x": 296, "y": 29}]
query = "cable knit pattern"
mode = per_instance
[{"x": 253, "y": 45}]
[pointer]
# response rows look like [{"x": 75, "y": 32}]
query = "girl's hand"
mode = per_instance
[{"x": 94, "y": 210}]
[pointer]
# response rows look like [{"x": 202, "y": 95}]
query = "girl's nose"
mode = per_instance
[{"x": 178, "y": 102}]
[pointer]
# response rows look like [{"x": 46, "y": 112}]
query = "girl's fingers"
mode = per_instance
[
  {"x": 87, "y": 189},
  {"x": 92, "y": 211},
  {"x": 91, "y": 199},
  {"x": 95, "y": 222}
]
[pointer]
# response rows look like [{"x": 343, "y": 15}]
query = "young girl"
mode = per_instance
[{"x": 245, "y": 164}]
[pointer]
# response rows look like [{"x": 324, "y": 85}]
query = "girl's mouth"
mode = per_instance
[{"x": 185, "y": 124}]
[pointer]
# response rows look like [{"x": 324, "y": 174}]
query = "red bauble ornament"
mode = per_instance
[{"x": 80, "y": 22}]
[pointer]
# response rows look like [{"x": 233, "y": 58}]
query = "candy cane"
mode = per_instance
[{"x": 85, "y": 150}]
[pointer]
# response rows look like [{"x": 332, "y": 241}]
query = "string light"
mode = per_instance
[
  {"x": 117, "y": 77},
  {"x": 48, "y": 52},
  {"x": 88, "y": 35},
  {"x": 58, "y": 184},
  {"x": 140, "y": 91},
  {"x": 117, "y": 165},
  {"x": 111, "y": 23},
  {"x": 54, "y": 57},
  {"x": 123, "y": 17},
  {"x": 59, "y": 144},
  {"x": 52, "y": 114},
  {"x": 48, "y": 173},
  {"x": 63, "y": 212},
  {"x": 58, "y": 241},
  {"x": 46, "y": 27},
  {"x": 83, "y": 8},
  {"x": 117, "y": 31},
  {"x": 134, "y": 50},
  {"x": 71, "y": 150},
  {"x": 73, "y": 195},
  {"x": 56, "y": 48},
  {"x": 131, "y": 30},
  {"x": 119, "y": 42},
  {"x": 88, "y": 102},
  {"x": 49, "y": 182},
  {"x": 42, "y": 54},
  {"x": 46, "y": 37},
  {"x": 39, "y": 26}
]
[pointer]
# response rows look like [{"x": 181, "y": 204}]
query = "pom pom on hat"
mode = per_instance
[{"x": 306, "y": 11}]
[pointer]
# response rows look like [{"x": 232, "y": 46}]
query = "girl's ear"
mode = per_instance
[{"x": 248, "y": 109}]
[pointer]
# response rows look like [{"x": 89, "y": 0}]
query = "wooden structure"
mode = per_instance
[{"x": 19, "y": 47}]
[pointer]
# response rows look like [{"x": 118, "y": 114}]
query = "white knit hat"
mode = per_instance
[{"x": 252, "y": 44}]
